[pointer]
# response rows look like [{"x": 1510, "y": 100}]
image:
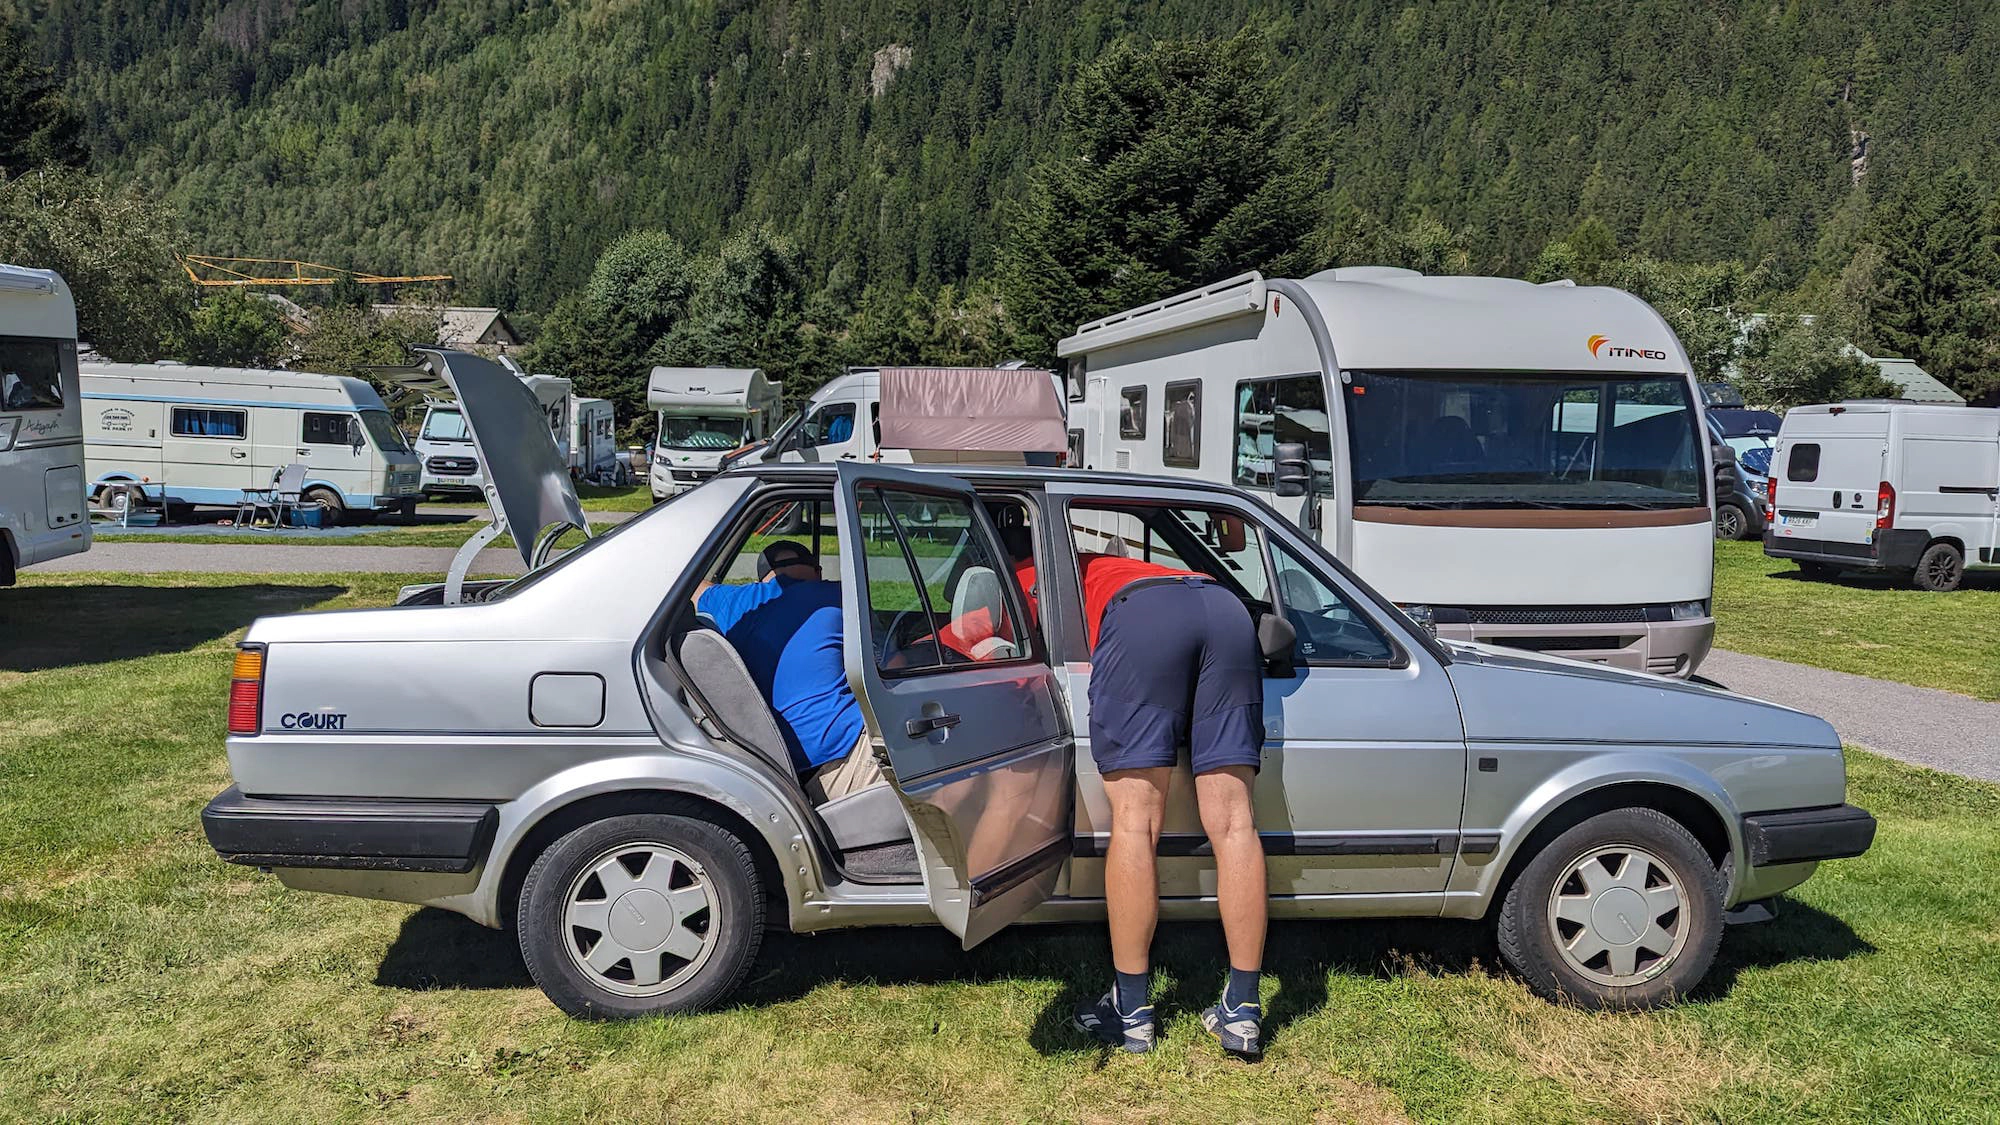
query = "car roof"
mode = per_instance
[{"x": 1022, "y": 475}]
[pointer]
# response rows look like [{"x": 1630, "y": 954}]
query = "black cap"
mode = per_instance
[{"x": 782, "y": 554}]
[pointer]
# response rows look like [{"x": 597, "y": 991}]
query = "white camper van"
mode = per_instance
[
  {"x": 444, "y": 444},
  {"x": 1460, "y": 455},
  {"x": 705, "y": 413},
  {"x": 203, "y": 435},
  {"x": 42, "y": 509},
  {"x": 593, "y": 442},
  {"x": 1900, "y": 487}
]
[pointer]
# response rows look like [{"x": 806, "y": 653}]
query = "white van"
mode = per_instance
[
  {"x": 1459, "y": 456},
  {"x": 593, "y": 442},
  {"x": 206, "y": 434},
  {"x": 705, "y": 414},
  {"x": 42, "y": 510},
  {"x": 444, "y": 445},
  {"x": 1900, "y": 487}
]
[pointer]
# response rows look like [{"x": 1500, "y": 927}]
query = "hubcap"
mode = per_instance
[
  {"x": 639, "y": 919},
  {"x": 1943, "y": 569},
  {"x": 1729, "y": 524},
  {"x": 1618, "y": 915}
]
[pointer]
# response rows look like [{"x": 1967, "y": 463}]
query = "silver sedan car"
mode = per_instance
[{"x": 582, "y": 757}]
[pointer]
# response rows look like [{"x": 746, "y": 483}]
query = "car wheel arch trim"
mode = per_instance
[
  {"x": 672, "y": 774},
  {"x": 1580, "y": 780}
]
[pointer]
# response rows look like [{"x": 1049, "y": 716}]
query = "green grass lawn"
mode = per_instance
[
  {"x": 140, "y": 978},
  {"x": 1869, "y": 626}
]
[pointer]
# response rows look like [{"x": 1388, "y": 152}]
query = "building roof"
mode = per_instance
[
  {"x": 465, "y": 325},
  {"x": 1918, "y": 385}
]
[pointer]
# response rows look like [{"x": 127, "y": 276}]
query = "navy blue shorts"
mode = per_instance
[{"x": 1177, "y": 664}]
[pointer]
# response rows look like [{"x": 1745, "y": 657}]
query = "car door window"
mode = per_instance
[
  {"x": 938, "y": 594},
  {"x": 831, "y": 424},
  {"x": 325, "y": 429},
  {"x": 1330, "y": 629}
]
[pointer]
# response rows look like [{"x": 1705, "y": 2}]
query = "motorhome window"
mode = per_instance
[
  {"x": 1182, "y": 442},
  {"x": 1803, "y": 464},
  {"x": 190, "y": 421},
  {"x": 445, "y": 425},
  {"x": 1132, "y": 413},
  {"x": 30, "y": 374},
  {"x": 325, "y": 429},
  {"x": 1073, "y": 458},
  {"x": 1457, "y": 440},
  {"x": 701, "y": 431},
  {"x": 937, "y": 589},
  {"x": 829, "y": 425},
  {"x": 387, "y": 437},
  {"x": 1270, "y": 412}
]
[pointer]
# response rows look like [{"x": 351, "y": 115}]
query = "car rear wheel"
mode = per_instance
[
  {"x": 1730, "y": 521},
  {"x": 641, "y": 915},
  {"x": 329, "y": 503},
  {"x": 1941, "y": 568},
  {"x": 1621, "y": 911}
]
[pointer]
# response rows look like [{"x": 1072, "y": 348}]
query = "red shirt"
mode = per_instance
[{"x": 1105, "y": 575}]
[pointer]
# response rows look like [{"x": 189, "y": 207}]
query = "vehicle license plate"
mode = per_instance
[{"x": 1799, "y": 521}]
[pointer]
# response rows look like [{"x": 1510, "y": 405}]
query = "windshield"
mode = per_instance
[
  {"x": 445, "y": 424},
  {"x": 1475, "y": 440},
  {"x": 387, "y": 437},
  {"x": 699, "y": 431}
]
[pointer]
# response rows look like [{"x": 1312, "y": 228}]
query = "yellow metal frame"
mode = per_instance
[{"x": 243, "y": 272}]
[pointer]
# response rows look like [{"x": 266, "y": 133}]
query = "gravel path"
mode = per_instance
[
  {"x": 1925, "y": 726},
  {"x": 241, "y": 558}
]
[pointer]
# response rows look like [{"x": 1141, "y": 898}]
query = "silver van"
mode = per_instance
[{"x": 606, "y": 780}]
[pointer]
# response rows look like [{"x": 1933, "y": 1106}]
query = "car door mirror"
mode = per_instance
[
  {"x": 1277, "y": 639},
  {"x": 1291, "y": 473}
]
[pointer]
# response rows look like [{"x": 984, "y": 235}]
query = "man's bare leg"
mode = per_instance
[
  {"x": 1131, "y": 873},
  {"x": 1228, "y": 817}
]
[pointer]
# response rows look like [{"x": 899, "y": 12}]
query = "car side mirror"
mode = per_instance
[
  {"x": 1277, "y": 640},
  {"x": 1291, "y": 473}
]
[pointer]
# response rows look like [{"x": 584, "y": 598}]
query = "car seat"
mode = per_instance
[{"x": 869, "y": 818}]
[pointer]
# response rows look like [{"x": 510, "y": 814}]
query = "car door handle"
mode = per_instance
[
  {"x": 238, "y": 454},
  {"x": 305, "y": 452},
  {"x": 920, "y": 727}
]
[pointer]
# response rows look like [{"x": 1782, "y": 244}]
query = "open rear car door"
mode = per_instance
[{"x": 958, "y": 691}]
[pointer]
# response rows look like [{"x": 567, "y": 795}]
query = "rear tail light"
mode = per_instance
[
  {"x": 246, "y": 691},
  {"x": 1885, "y": 505},
  {"x": 1771, "y": 490}
]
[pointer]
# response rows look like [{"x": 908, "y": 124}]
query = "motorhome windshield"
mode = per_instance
[
  {"x": 387, "y": 437},
  {"x": 445, "y": 425},
  {"x": 699, "y": 431},
  {"x": 1476, "y": 440}
]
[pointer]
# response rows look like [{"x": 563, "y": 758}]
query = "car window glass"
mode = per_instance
[
  {"x": 1270, "y": 412},
  {"x": 323, "y": 429},
  {"x": 809, "y": 523},
  {"x": 190, "y": 421},
  {"x": 937, "y": 591},
  {"x": 1330, "y": 629},
  {"x": 1219, "y": 544},
  {"x": 829, "y": 425},
  {"x": 1803, "y": 463},
  {"x": 30, "y": 374}
]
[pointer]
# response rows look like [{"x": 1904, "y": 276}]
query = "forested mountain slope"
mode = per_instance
[{"x": 508, "y": 143}]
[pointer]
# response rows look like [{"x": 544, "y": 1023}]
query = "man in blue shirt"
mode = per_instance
[{"x": 787, "y": 628}]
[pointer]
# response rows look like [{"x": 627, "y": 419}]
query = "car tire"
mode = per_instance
[
  {"x": 1940, "y": 569},
  {"x": 1731, "y": 522},
  {"x": 115, "y": 498},
  {"x": 684, "y": 918},
  {"x": 328, "y": 501},
  {"x": 1552, "y": 924}
]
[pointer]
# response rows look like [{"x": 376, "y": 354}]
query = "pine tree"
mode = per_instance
[
  {"x": 1173, "y": 168},
  {"x": 37, "y": 126},
  {"x": 1937, "y": 281}
]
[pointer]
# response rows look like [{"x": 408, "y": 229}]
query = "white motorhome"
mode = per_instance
[
  {"x": 42, "y": 504},
  {"x": 1905, "y": 488},
  {"x": 444, "y": 444},
  {"x": 593, "y": 442},
  {"x": 1459, "y": 456},
  {"x": 204, "y": 435},
  {"x": 705, "y": 414}
]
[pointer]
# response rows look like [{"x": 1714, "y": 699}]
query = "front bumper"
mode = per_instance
[
  {"x": 356, "y": 834},
  {"x": 1807, "y": 835}
]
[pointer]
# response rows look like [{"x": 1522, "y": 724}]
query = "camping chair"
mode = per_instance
[{"x": 282, "y": 496}]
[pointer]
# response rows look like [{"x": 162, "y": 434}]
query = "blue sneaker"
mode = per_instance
[
  {"x": 1105, "y": 1022},
  {"x": 1240, "y": 1030}
]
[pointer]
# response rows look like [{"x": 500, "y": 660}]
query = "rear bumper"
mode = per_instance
[
  {"x": 1807, "y": 835},
  {"x": 1893, "y": 549},
  {"x": 351, "y": 834}
]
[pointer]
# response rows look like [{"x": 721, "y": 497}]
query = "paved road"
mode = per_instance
[
  {"x": 1939, "y": 729},
  {"x": 126, "y": 556}
]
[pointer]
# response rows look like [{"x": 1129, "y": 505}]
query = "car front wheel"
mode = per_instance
[
  {"x": 1621, "y": 911},
  {"x": 641, "y": 915}
]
